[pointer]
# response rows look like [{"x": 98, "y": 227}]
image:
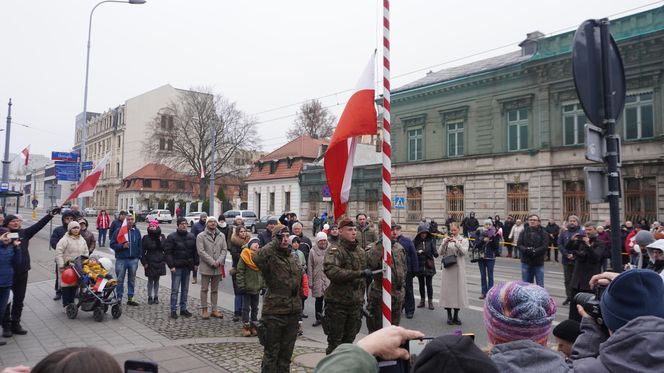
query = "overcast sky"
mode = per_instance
[{"x": 268, "y": 56}]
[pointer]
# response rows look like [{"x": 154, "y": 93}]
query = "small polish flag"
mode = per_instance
[
  {"x": 123, "y": 233},
  {"x": 202, "y": 172},
  {"x": 26, "y": 154}
]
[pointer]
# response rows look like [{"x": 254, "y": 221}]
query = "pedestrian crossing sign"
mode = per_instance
[{"x": 399, "y": 202}]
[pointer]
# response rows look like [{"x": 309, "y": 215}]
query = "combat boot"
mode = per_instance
[
  {"x": 204, "y": 314},
  {"x": 246, "y": 330}
]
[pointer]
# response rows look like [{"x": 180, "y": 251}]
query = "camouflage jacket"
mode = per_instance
[
  {"x": 375, "y": 261},
  {"x": 343, "y": 265},
  {"x": 366, "y": 236},
  {"x": 283, "y": 277}
]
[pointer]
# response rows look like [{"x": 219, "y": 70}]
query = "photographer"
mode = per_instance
[
  {"x": 533, "y": 244},
  {"x": 632, "y": 309},
  {"x": 587, "y": 250}
]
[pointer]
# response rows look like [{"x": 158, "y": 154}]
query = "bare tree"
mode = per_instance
[
  {"x": 182, "y": 135},
  {"x": 312, "y": 120}
]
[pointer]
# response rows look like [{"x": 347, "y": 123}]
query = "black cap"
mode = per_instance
[
  {"x": 453, "y": 353},
  {"x": 272, "y": 221},
  {"x": 567, "y": 330},
  {"x": 9, "y": 218}
]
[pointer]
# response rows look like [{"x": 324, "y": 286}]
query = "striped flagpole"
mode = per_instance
[{"x": 387, "y": 172}]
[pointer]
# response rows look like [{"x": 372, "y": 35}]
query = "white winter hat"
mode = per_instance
[{"x": 321, "y": 236}]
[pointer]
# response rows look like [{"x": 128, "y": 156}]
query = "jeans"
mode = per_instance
[
  {"x": 409, "y": 302},
  {"x": 179, "y": 281},
  {"x": 68, "y": 295},
  {"x": 122, "y": 266},
  {"x": 4, "y": 300},
  {"x": 102, "y": 236},
  {"x": 517, "y": 253},
  {"x": 486, "y": 274},
  {"x": 153, "y": 287},
  {"x": 250, "y": 306},
  {"x": 532, "y": 274},
  {"x": 237, "y": 307}
]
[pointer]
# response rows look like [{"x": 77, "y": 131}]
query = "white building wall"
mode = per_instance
[{"x": 279, "y": 188}]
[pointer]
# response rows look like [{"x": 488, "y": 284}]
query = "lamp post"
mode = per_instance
[{"x": 84, "y": 129}]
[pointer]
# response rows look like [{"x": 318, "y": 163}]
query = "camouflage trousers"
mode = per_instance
[
  {"x": 277, "y": 334},
  {"x": 375, "y": 309},
  {"x": 341, "y": 324}
]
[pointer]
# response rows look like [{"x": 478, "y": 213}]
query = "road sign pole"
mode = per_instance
[{"x": 612, "y": 149}]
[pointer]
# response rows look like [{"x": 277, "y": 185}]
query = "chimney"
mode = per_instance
[
  {"x": 529, "y": 46},
  {"x": 321, "y": 150}
]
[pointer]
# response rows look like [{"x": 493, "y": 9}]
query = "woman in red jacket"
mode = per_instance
[{"x": 103, "y": 222}]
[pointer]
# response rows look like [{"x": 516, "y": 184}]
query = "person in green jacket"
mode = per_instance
[{"x": 250, "y": 281}]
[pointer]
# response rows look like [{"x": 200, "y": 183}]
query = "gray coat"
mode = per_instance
[
  {"x": 636, "y": 347},
  {"x": 526, "y": 356},
  {"x": 318, "y": 281},
  {"x": 211, "y": 247}
]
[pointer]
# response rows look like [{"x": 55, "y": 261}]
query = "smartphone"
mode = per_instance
[
  {"x": 415, "y": 348},
  {"x": 135, "y": 366},
  {"x": 13, "y": 236}
]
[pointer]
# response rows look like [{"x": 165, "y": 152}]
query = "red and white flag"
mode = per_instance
[
  {"x": 123, "y": 233},
  {"x": 202, "y": 172},
  {"x": 358, "y": 118},
  {"x": 26, "y": 154},
  {"x": 87, "y": 187}
]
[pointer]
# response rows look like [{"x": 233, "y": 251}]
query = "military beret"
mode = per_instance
[
  {"x": 346, "y": 222},
  {"x": 279, "y": 228}
]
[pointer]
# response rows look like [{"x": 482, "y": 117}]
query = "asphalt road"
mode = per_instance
[{"x": 431, "y": 322}]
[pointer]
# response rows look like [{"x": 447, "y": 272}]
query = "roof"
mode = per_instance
[
  {"x": 282, "y": 170},
  {"x": 156, "y": 171},
  {"x": 463, "y": 71},
  {"x": 303, "y": 146}
]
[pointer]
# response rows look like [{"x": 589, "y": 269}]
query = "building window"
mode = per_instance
[
  {"x": 117, "y": 169},
  {"x": 119, "y": 142},
  {"x": 573, "y": 121},
  {"x": 641, "y": 199},
  {"x": 271, "y": 203},
  {"x": 517, "y": 200},
  {"x": 639, "y": 116},
  {"x": 574, "y": 201},
  {"x": 455, "y": 201},
  {"x": 414, "y": 199},
  {"x": 273, "y": 166},
  {"x": 455, "y": 139},
  {"x": 170, "y": 122},
  {"x": 147, "y": 183},
  {"x": 287, "y": 201},
  {"x": 169, "y": 144},
  {"x": 517, "y": 129},
  {"x": 372, "y": 203},
  {"x": 415, "y": 144},
  {"x": 179, "y": 184},
  {"x": 163, "y": 184},
  {"x": 162, "y": 144},
  {"x": 164, "y": 122}
]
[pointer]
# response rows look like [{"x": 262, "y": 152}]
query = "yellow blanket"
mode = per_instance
[{"x": 246, "y": 256}]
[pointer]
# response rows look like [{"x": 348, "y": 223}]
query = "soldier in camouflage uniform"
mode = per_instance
[
  {"x": 346, "y": 266},
  {"x": 375, "y": 296},
  {"x": 282, "y": 304}
]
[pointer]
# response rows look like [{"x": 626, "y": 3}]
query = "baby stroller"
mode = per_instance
[{"x": 90, "y": 298}]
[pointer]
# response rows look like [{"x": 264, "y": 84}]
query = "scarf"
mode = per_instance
[{"x": 246, "y": 257}]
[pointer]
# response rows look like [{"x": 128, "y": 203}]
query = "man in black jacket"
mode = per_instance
[
  {"x": 553, "y": 230},
  {"x": 56, "y": 236},
  {"x": 266, "y": 236},
  {"x": 588, "y": 251},
  {"x": 197, "y": 228},
  {"x": 470, "y": 224},
  {"x": 181, "y": 259},
  {"x": 11, "y": 324},
  {"x": 117, "y": 223},
  {"x": 533, "y": 244}
]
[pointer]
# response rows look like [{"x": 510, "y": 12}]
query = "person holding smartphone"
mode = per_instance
[{"x": 10, "y": 256}]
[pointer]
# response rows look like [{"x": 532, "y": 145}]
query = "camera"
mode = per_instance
[{"x": 590, "y": 303}]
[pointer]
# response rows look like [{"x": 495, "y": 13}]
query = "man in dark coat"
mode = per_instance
[
  {"x": 11, "y": 324},
  {"x": 56, "y": 236},
  {"x": 117, "y": 223},
  {"x": 181, "y": 259},
  {"x": 266, "y": 236},
  {"x": 533, "y": 243},
  {"x": 282, "y": 305},
  {"x": 470, "y": 224},
  {"x": 589, "y": 252},
  {"x": 412, "y": 266},
  {"x": 197, "y": 228},
  {"x": 553, "y": 230}
]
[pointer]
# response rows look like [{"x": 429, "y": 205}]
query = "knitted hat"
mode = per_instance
[
  {"x": 488, "y": 221},
  {"x": 644, "y": 238},
  {"x": 292, "y": 238},
  {"x": 634, "y": 293},
  {"x": 321, "y": 236},
  {"x": 251, "y": 242},
  {"x": 453, "y": 353},
  {"x": 9, "y": 218},
  {"x": 72, "y": 225},
  {"x": 568, "y": 330},
  {"x": 153, "y": 224},
  {"x": 211, "y": 218},
  {"x": 517, "y": 310}
]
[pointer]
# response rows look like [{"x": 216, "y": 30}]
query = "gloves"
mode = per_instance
[
  {"x": 56, "y": 211},
  {"x": 367, "y": 273}
]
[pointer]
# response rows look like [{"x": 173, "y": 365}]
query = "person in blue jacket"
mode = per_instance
[
  {"x": 10, "y": 256},
  {"x": 127, "y": 255},
  {"x": 412, "y": 267}
]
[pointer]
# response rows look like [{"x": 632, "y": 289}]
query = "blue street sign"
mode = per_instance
[
  {"x": 399, "y": 202},
  {"x": 87, "y": 166},
  {"x": 326, "y": 191},
  {"x": 4, "y": 186},
  {"x": 67, "y": 177},
  {"x": 68, "y": 165},
  {"x": 64, "y": 156}
]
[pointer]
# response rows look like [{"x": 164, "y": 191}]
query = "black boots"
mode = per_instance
[
  {"x": 421, "y": 305},
  {"x": 449, "y": 316},
  {"x": 456, "y": 320},
  {"x": 13, "y": 328}
]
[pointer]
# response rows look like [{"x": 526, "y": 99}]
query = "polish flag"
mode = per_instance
[
  {"x": 26, "y": 154},
  {"x": 123, "y": 233},
  {"x": 358, "y": 118},
  {"x": 87, "y": 187},
  {"x": 202, "y": 172}
]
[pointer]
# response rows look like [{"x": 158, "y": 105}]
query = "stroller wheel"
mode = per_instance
[
  {"x": 98, "y": 314},
  {"x": 116, "y": 311},
  {"x": 71, "y": 310},
  {"x": 105, "y": 308}
]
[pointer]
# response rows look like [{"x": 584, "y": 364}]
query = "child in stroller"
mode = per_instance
[{"x": 96, "y": 289}]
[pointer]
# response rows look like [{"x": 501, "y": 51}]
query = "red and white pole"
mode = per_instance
[{"x": 387, "y": 172}]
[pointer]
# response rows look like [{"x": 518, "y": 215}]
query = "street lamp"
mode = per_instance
[{"x": 84, "y": 130}]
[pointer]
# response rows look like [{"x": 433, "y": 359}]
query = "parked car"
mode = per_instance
[
  {"x": 249, "y": 217},
  {"x": 141, "y": 215},
  {"x": 261, "y": 224},
  {"x": 160, "y": 215},
  {"x": 89, "y": 211},
  {"x": 193, "y": 217}
]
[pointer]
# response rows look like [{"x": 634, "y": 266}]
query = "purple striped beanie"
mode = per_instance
[{"x": 518, "y": 310}]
